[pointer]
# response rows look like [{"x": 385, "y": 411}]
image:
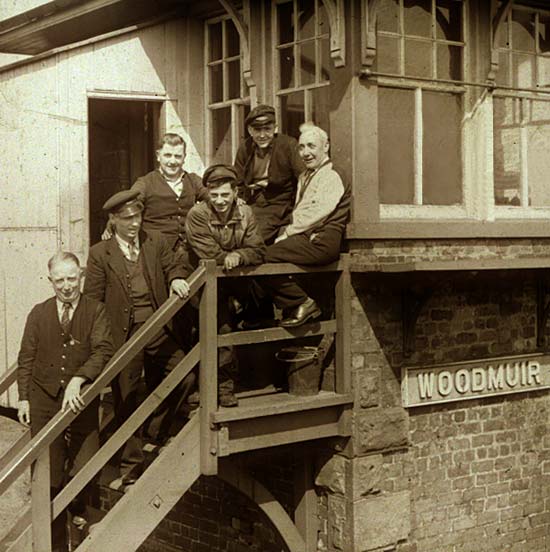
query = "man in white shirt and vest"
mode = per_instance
[
  {"x": 318, "y": 221},
  {"x": 66, "y": 344}
]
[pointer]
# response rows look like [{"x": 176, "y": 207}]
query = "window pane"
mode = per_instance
[
  {"x": 506, "y": 145},
  {"x": 396, "y": 145},
  {"x": 387, "y": 55},
  {"x": 233, "y": 79},
  {"x": 215, "y": 35},
  {"x": 524, "y": 70},
  {"x": 286, "y": 23},
  {"x": 448, "y": 18},
  {"x": 221, "y": 135},
  {"x": 449, "y": 62},
  {"x": 502, "y": 38},
  {"x": 523, "y": 31},
  {"x": 387, "y": 17},
  {"x": 538, "y": 148},
  {"x": 232, "y": 39},
  {"x": 320, "y": 99},
  {"x": 307, "y": 62},
  {"x": 286, "y": 67},
  {"x": 441, "y": 147},
  {"x": 323, "y": 25},
  {"x": 306, "y": 19},
  {"x": 418, "y": 58},
  {"x": 503, "y": 74},
  {"x": 292, "y": 113},
  {"x": 544, "y": 71},
  {"x": 216, "y": 83},
  {"x": 418, "y": 17},
  {"x": 544, "y": 34}
]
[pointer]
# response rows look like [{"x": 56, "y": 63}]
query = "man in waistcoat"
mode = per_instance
[
  {"x": 225, "y": 230},
  {"x": 131, "y": 273},
  {"x": 317, "y": 225},
  {"x": 66, "y": 344},
  {"x": 268, "y": 166}
]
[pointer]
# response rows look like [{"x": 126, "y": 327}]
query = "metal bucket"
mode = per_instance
[{"x": 303, "y": 367}]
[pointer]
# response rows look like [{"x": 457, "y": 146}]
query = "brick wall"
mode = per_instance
[{"x": 467, "y": 476}]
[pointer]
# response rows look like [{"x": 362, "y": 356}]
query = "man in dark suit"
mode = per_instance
[
  {"x": 131, "y": 273},
  {"x": 66, "y": 344},
  {"x": 268, "y": 167}
]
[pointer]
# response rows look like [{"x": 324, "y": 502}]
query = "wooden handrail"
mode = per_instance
[
  {"x": 272, "y": 269},
  {"x": 119, "y": 361},
  {"x": 125, "y": 431}
]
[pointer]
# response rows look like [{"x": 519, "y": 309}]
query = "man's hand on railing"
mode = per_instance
[
  {"x": 232, "y": 260},
  {"x": 24, "y": 412},
  {"x": 180, "y": 287},
  {"x": 72, "y": 398}
]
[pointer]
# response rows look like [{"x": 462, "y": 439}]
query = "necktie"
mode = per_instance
[
  {"x": 133, "y": 252},
  {"x": 65, "y": 319}
]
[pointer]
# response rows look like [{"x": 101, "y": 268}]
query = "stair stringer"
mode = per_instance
[
  {"x": 246, "y": 484},
  {"x": 133, "y": 518}
]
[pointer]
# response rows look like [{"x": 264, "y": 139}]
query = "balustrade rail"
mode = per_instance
[{"x": 203, "y": 283}]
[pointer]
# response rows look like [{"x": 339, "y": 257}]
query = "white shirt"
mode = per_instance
[
  {"x": 317, "y": 196},
  {"x": 177, "y": 185},
  {"x": 125, "y": 246},
  {"x": 61, "y": 307}
]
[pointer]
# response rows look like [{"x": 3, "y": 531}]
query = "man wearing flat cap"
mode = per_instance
[
  {"x": 130, "y": 273},
  {"x": 268, "y": 167},
  {"x": 222, "y": 229}
]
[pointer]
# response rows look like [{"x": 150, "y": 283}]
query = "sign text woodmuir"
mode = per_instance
[{"x": 459, "y": 381}]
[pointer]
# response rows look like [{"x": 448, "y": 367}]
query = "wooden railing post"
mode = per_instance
[
  {"x": 41, "y": 503},
  {"x": 343, "y": 328},
  {"x": 208, "y": 373}
]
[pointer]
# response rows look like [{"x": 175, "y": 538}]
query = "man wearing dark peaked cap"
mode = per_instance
[
  {"x": 130, "y": 273},
  {"x": 268, "y": 167},
  {"x": 222, "y": 229}
]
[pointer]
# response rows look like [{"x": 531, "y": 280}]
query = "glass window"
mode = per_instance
[
  {"x": 227, "y": 97},
  {"x": 302, "y": 63},
  {"x": 419, "y": 44},
  {"x": 521, "y": 115}
]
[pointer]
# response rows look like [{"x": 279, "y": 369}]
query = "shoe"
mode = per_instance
[
  {"x": 228, "y": 399},
  {"x": 308, "y": 310},
  {"x": 131, "y": 477},
  {"x": 79, "y": 522},
  {"x": 194, "y": 398}
]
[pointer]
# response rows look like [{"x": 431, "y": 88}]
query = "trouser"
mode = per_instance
[
  {"x": 299, "y": 249},
  {"x": 270, "y": 217},
  {"x": 159, "y": 358},
  {"x": 69, "y": 452}
]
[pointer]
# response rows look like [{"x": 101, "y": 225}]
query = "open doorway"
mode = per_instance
[{"x": 122, "y": 135}]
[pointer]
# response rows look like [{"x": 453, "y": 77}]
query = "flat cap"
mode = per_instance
[
  {"x": 125, "y": 202},
  {"x": 219, "y": 173},
  {"x": 260, "y": 115}
]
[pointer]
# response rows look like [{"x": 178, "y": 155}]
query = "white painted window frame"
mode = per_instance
[
  {"x": 522, "y": 211},
  {"x": 296, "y": 42},
  {"x": 418, "y": 210},
  {"x": 234, "y": 104}
]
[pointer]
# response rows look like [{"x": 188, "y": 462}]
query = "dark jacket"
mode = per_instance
[
  {"x": 210, "y": 238},
  {"x": 50, "y": 359},
  {"x": 107, "y": 278},
  {"x": 284, "y": 168},
  {"x": 163, "y": 209}
]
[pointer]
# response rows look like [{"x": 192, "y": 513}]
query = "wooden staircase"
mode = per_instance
[{"x": 206, "y": 443}]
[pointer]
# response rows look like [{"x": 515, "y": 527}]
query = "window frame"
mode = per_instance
[
  {"x": 235, "y": 105},
  {"x": 524, "y": 95},
  {"x": 417, "y": 209},
  {"x": 307, "y": 89}
]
